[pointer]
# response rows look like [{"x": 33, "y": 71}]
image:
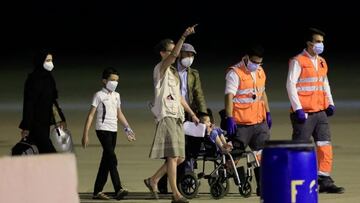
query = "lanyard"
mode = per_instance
[{"x": 255, "y": 89}]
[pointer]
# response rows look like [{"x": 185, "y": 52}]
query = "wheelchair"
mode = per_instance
[{"x": 219, "y": 178}]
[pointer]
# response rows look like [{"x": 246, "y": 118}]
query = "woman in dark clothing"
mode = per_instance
[{"x": 40, "y": 108}]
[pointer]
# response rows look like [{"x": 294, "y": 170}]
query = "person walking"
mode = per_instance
[
  {"x": 40, "y": 106},
  {"x": 312, "y": 103},
  {"x": 107, "y": 106},
  {"x": 248, "y": 118},
  {"x": 168, "y": 109}
]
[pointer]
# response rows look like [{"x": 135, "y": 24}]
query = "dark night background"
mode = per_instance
[
  {"x": 88, "y": 36},
  {"x": 131, "y": 28}
]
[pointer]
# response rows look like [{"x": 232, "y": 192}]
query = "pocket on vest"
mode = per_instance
[{"x": 171, "y": 106}]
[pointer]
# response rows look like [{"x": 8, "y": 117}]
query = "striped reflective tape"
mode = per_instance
[
  {"x": 312, "y": 79},
  {"x": 310, "y": 88},
  {"x": 245, "y": 100}
]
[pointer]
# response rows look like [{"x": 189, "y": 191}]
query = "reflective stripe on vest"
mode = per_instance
[
  {"x": 250, "y": 90},
  {"x": 313, "y": 79},
  {"x": 245, "y": 100},
  {"x": 248, "y": 105},
  {"x": 310, "y": 88},
  {"x": 310, "y": 85}
]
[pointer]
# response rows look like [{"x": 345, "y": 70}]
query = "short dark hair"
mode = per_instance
[
  {"x": 311, "y": 32},
  {"x": 107, "y": 72},
  {"x": 162, "y": 45},
  {"x": 203, "y": 114},
  {"x": 255, "y": 50}
]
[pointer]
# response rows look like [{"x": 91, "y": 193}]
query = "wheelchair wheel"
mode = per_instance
[
  {"x": 217, "y": 190},
  {"x": 188, "y": 185},
  {"x": 245, "y": 189},
  {"x": 225, "y": 182}
]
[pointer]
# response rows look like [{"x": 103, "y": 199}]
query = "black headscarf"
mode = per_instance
[
  {"x": 40, "y": 94},
  {"x": 39, "y": 59}
]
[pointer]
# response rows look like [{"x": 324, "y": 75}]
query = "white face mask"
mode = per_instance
[
  {"x": 187, "y": 61},
  {"x": 318, "y": 48},
  {"x": 111, "y": 85},
  {"x": 48, "y": 66},
  {"x": 252, "y": 66}
]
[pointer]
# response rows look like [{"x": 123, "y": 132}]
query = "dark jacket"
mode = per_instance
[
  {"x": 40, "y": 95},
  {"x": 195, "y": 93}
]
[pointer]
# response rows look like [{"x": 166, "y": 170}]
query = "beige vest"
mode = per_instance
[{"x": 167, "y": 95}]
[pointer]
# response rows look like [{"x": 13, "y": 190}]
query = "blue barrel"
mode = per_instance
[{"x": 289, "y": 172}]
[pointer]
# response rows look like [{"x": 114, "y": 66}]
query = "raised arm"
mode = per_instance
[{"x": 175, "y": 52}]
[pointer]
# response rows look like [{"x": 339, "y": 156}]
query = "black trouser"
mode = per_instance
[
  {"x": 192, "y": 149},
  {"x": 108, "y": 162},
  {"x": 41, "y": 138},
  {"x": 316, "y": 125}
]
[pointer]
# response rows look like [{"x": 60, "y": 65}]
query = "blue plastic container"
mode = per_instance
[{"x": 289, "y": 172}]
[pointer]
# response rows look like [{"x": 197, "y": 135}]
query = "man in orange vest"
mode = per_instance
[
  {"x": 312, "y": 103},
  {"x": 248, "y": 117}
]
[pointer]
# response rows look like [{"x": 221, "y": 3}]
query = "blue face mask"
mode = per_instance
[
  {"x": 318, "y": 48},
  {"x": 252, "y": 66}
]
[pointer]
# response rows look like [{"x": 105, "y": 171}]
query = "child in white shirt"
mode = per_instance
[{"x": 106, "y": 103}]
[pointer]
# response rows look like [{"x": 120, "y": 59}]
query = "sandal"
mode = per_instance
[
  {"x": 101, "y": 196},
  {"x": 121, "y": 193},
  {"x": 180, "y": 200},
  {"x": 151, "y": 189}
]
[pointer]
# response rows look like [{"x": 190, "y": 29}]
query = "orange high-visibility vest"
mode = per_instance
[
  {"x": 248, "y": 105},
  {"x": 310, "y": 85}
]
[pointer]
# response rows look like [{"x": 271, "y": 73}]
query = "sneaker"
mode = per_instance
[
  {"x": 121, "y": 194},
  {"x": 258, "y": 193},
  {"x": 101, "y": 196},
  {"x": 326, "y": 185}
]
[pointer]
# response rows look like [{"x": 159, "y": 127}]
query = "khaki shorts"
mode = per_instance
[{"x": 169, "y": 139}]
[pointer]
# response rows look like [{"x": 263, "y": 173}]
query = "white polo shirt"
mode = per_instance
[{"x": 106, "y": 104}]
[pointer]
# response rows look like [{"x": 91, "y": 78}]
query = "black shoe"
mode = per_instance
[
  {"x": 257, "y": 179},
  {"x": 326, "y": 185},
  {"x": 258, "y": 193}
]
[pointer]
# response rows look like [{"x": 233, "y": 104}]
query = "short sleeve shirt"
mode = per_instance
[{"x": 107, "y": 104}]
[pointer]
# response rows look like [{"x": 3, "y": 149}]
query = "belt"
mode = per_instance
[{"x": 311, "y": 113}]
